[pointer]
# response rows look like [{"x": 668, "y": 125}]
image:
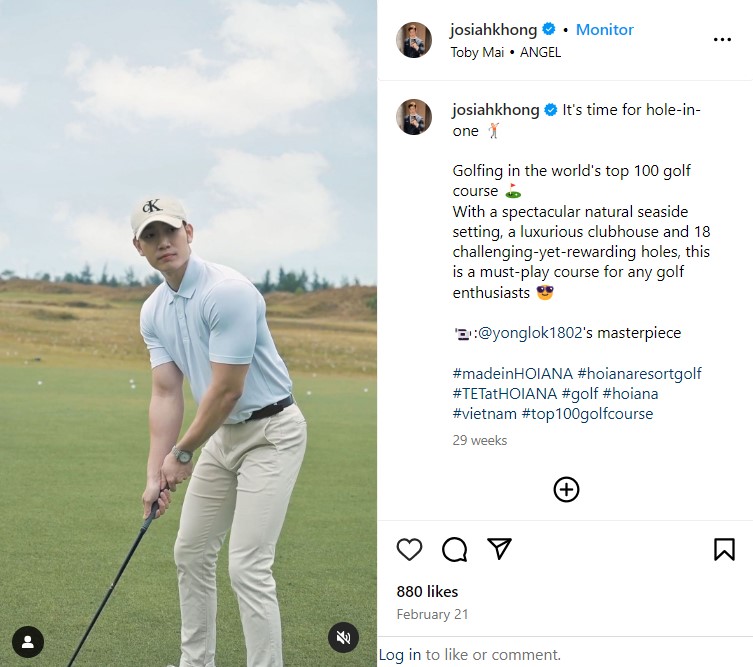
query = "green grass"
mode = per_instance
[{"x": 72, "y": 459}]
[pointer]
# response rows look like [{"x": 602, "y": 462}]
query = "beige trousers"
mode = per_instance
[{"x": 242, "y": 482}]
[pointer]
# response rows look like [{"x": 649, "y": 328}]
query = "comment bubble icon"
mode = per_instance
[{"x": 455, "y": 550}]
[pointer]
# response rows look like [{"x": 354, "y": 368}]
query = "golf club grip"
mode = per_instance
[{"x": 152, "y": 512}]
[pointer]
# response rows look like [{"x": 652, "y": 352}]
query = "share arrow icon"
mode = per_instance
[{"x": 500, "y": 545}]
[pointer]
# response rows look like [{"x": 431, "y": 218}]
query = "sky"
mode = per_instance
[{"x": 258, "y": 116}]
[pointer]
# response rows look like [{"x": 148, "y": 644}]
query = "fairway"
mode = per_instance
[{"x": 73, "y": 456}]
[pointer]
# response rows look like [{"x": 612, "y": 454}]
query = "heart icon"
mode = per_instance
[{"x": 409, "y": 549}]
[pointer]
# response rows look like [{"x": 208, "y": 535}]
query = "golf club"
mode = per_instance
[{"x": 147, "y": 522}]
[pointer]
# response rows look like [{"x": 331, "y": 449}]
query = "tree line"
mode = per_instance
[
  {"x": 290, "y": 281},
  {"x": 287, "y": 281}
]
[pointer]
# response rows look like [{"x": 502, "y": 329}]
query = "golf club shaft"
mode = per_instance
[{"x": 142, "y": 531}]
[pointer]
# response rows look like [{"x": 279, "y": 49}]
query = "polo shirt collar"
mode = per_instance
[{"x": 190, "y": 279}]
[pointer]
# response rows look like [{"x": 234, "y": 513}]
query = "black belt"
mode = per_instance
[{"x": 271, "y": 409}]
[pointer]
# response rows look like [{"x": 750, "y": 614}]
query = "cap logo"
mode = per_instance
[{"x": 151, "y": 206}]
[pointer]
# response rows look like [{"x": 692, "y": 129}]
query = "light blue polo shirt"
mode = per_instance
[{"x": 216, "y": 315}]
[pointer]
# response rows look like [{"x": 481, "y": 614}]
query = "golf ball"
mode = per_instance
[{"x": 39, "y": 382}]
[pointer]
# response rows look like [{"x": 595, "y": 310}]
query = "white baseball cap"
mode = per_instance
[{"x": 157, "y": 209}]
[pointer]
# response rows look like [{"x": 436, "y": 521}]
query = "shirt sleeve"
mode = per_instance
[
  {"x": 158, "y": 355},
  {"x": 231, "y": 311}
]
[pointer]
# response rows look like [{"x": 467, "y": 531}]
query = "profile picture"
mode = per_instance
[
  {"x": 413, "y": 40},
  {"x": 414, "y": 117}
]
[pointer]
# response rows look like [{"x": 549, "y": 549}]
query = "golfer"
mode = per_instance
[{"x": 207, "y": 323}]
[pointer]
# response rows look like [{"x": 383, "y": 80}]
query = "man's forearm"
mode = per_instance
[
  {"x": 215, "y": 406},
  {"x": 165, "y": 420}
]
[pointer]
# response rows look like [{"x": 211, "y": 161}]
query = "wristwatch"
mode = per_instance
[{"x": 182, "y": 455}]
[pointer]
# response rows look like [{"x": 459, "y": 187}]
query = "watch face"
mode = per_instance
[{"x": 183, "y": 457}]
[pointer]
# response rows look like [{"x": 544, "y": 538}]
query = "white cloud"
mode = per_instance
[
  {"x": 281, "y": 60},
  {"x": 196, "y": 59},
  {"x": 61, "y": 212},
  {"x": 10, "y": 94},
  {"x": 265, "y": 209},
  {"x": 100, "y": 239},
  {"x": 77, "y": 60},
  {"x": 77, "y": 132},
  {"x": 269, "y": 209},
  {"x": 4, "y": 241}
]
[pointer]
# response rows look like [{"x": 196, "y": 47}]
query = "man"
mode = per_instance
[
  {"x": 412, "y": 122},
  {"x": 207, "y": 322},
  {"x": 413, "y": 47}
]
